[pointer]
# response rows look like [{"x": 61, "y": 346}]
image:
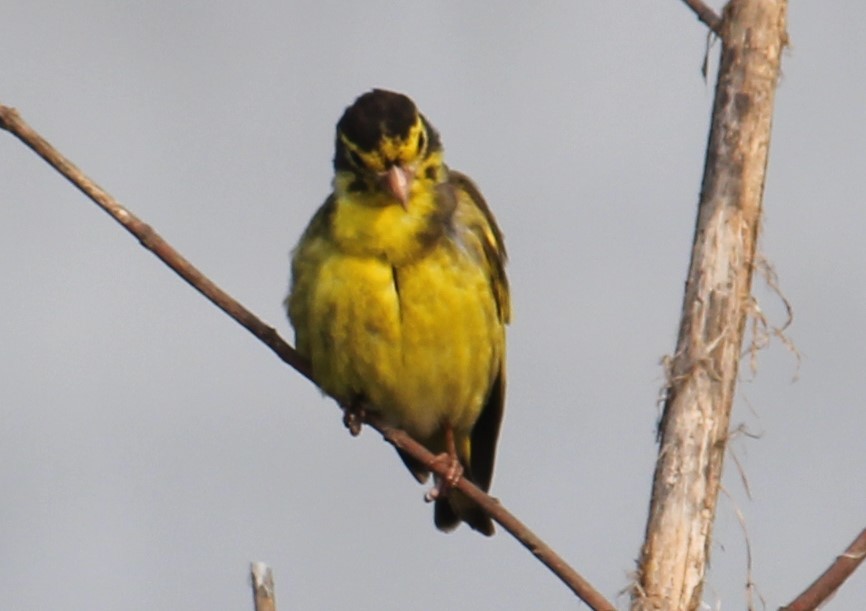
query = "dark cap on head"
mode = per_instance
[{"x": 377, "y": 113}]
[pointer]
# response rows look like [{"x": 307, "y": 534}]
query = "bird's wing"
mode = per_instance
[{"x": 475, "y": 216}]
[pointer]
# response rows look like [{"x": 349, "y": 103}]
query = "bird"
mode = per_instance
[{"x": 399, "y": 297}]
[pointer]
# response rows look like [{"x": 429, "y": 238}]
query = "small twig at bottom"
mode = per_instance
[{"x": 264, "y": 596}]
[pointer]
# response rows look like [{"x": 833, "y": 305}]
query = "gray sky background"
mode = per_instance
[{"x": 150, "y": 448}]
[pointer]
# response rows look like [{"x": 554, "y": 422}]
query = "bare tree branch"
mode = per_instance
[
  {"x": 705, "y": 14},
  {"x": 12, "y": 122},
  {"x": 693, "y": 431},
  {"x": 830, "y": 580},
  {"x": 264, "y": 596},
  {"x": 503, "y": 517}
]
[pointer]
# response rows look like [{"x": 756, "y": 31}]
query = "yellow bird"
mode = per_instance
[{"x": 399, "y": 297}]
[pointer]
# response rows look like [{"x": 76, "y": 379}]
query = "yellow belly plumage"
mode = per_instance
[{"x": 421, "y": 343}]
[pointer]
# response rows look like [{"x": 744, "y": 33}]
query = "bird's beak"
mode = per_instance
[{"x": 397, "y": 180}]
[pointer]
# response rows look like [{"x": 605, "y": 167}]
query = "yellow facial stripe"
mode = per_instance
[
  {"x": 400, "y": 149},
  {"x": 432, "y": 161},
  {"x": 390, "y": 149}
]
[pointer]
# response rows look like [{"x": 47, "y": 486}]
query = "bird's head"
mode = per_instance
[{"x": 385, "y": 146}]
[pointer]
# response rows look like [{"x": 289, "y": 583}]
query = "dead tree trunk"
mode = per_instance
[{"x": 703, "y": 372}]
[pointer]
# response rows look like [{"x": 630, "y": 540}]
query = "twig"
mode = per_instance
[
  {"x": 12, "y": 122},
  {"x": 264, "y": 596},
  {"x": 830, "y": 580},
  {"x": 707, "y": 15},
  {"x": 503, "y": 517}
]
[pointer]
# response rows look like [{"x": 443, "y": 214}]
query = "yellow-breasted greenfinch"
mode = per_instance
[{"x": 399, "y": 297}]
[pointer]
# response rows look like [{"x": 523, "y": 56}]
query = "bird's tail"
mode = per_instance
[{"x": 456, "y": 507}]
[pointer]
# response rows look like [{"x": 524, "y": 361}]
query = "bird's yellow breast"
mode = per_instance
[
  {"x": 372, "y": 225},
  {"x": 420, "y": 342}
]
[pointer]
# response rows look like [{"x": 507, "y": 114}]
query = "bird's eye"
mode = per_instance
[{"x": 421, "y": 141}]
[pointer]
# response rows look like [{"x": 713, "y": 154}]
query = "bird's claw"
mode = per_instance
[
  {"x": 444, "y": 484},
  {"x": 354, "y": 415}
]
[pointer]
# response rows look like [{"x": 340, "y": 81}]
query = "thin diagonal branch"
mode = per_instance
[
  {"x": 830, "y": 580},
  {"x": 705, "y": 14},
  {"x": 529, "y": 540},
  {"x": 12, "y": 122}
]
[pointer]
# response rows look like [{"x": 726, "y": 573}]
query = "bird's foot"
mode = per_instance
[
  {"x": 354, "y": 416},
  {"x": 444, "y": 485}
]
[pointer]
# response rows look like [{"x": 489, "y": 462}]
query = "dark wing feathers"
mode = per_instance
[{"x": 491, "y": 240}]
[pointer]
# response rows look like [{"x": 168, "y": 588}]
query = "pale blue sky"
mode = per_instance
[{"x": 150, "y": 448}]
